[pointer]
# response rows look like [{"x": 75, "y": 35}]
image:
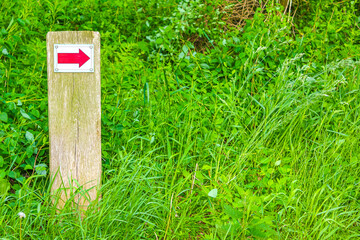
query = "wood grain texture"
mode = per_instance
[{"x": 74, "y": 124}]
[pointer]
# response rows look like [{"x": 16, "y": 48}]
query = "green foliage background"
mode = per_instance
[{"x": 243, "y": 133}]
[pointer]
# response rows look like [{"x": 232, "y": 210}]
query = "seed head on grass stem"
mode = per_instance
[{"x": 21, "y": 216}]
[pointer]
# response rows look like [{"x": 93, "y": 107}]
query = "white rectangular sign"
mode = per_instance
[{"x": 73, "y": 57}]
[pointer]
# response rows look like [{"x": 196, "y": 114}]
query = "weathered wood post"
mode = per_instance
[{"x": 73, "y": 67}]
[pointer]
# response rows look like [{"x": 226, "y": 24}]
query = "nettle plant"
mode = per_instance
[
  {"x": 190, "y": 21},
  {"x": 22, "y": 141}
]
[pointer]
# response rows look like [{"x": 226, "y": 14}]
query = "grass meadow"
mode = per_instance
[{"x": 209, "y": 130}]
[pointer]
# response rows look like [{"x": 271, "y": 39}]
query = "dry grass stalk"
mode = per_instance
[{"x": 236, "y": 12}]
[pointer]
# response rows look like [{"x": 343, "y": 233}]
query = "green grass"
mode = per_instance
[{"x": 270, "y": 120}]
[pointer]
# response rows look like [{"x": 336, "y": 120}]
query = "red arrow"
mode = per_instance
[{"x": 73, "y": 58}]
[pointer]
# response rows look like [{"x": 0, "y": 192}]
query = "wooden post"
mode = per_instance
[{"x": 74, "y": 115}]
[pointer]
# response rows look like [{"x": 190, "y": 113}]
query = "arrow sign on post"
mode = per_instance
[
  {"x": 73, "y": 58},
  {"x": 74, "y": 100}
]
